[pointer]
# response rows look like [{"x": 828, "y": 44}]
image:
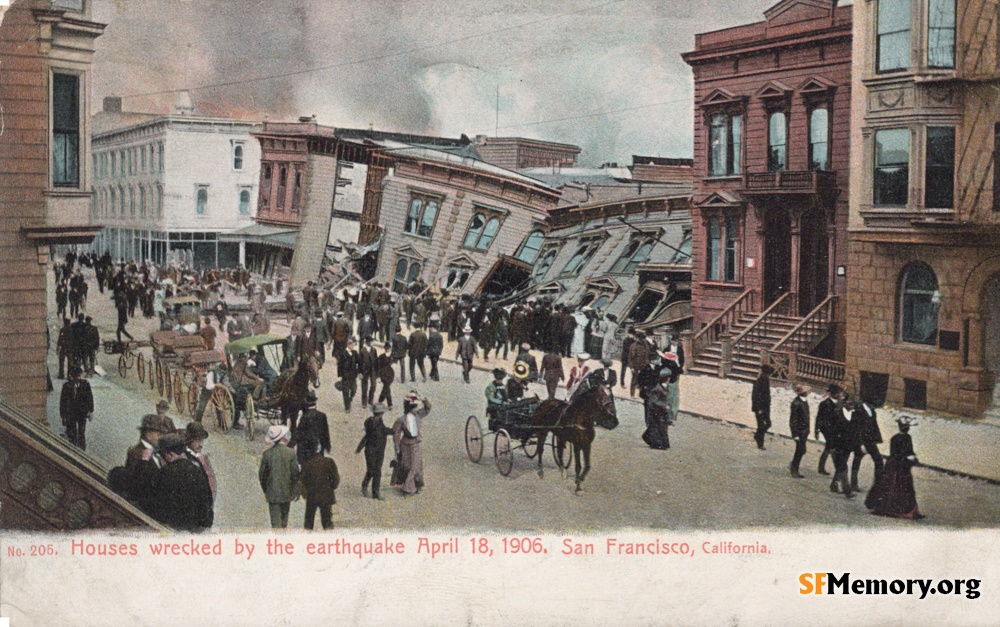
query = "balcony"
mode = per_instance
[{"x": 795, "y": 182}]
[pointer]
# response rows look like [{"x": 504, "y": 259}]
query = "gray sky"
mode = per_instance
[{"x": 431, "y": 67}]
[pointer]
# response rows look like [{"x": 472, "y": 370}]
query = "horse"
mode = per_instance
[
  {"x": 291, "y": 390},
  {"x": 573, "y": 422}
]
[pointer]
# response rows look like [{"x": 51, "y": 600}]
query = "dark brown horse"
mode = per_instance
[
  {"x": 291, "y": 389},
  {"x": 572, "y": 423}
]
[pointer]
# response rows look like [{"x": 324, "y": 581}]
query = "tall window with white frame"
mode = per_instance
[
  {"x": 65, "y": 130},
  {"x": 939, "y": 177},
  {"x": 892, "y": 168},
  {"x": 482, "y": 230},
  {"x": 819, "y": 138},
  {"x": 721, "y": 249},
  {"x": 725, "y": 140},
  {"x": 584, "y": 252},
  {"x": 244, "y": 202},
  {"x": 777, "y": 141},
  {"x": 941, "y": 34},
  {"x": 636, "y": 252},
  {"x": 421, "y": 215},
  {"x": 893, "y": 36}
]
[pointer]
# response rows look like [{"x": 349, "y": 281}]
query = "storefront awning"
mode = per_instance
[{"x": 283, "y": 237}]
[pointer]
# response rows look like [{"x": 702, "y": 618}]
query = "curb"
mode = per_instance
[{"x": 945, "y": 471}]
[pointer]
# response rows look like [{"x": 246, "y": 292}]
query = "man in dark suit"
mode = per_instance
[
  {"x": 76, "y": 407},
  {"x": 552, "y": 372},
  {"x": 798, "y": 424},
  {"x": 182, "y": 496},
  {"x": 373, "y": 444},
  {"x": 760, "y": 404},
  {"x": 386, "y": 375},
  {"x": 842, "y": 439},
  {"x": 869, "y": 437},
  {"x": 348, "y": 368},
  {"x": 400, "y": 346},
  {"x": 417, "y": 350},
  {"x": 435, "y": 346},
  {"x": 467, "y": 350},
  {"x": 367, "y": 367},
  {"x": 826, "y": 416},
  {"x": 313, "y": 426},
  {"x": 608, "y": 374}
]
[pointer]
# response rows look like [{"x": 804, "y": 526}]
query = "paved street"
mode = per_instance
[{"x": 713, "y": 477}]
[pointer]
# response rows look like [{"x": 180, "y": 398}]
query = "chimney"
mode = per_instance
[
  {"x": 112, "y": 104},
  {"x": 184, "y": 105}
]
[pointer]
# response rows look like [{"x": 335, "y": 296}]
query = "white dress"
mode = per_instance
[{"x": 581, "y": 323}]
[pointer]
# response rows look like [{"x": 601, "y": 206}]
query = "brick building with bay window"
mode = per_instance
[
  {"x": 924, "y": 271},
  {"x": 769, "y": 217}
]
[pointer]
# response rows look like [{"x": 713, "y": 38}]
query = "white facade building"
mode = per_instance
[{"x": 166, "y": 186}]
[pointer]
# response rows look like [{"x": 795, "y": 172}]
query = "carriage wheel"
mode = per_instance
[
  {"x": 168, "y": 384},
  {"x": 503, "y": 453},
  {"x": 140, "y": 367},
  {"x": 179, "y": 392},
  {"x": 221, "y": 405},
  {"x": 122, "y": 366},
  {"x": 562, "y": 452},
  {"x": 129, "y": 359},
  {"x": 153, "y": 363},
  {"x": 249, "y": 416},
  {"x": 473, "y": 439},
  {"x": 192, "y": 400},
  {"x": 159, "y": 377},
  {"x": 530, "y": 446}
]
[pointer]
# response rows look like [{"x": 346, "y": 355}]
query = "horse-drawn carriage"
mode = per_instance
[
  {"x": 530, "y": 421},
  {"x": 182, "y": 311},
  {"x": 176, "y": 358},
  {"x": 281, "y": 396}
]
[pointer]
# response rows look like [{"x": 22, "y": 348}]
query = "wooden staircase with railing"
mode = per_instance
[{"x": 737, "y": 341}]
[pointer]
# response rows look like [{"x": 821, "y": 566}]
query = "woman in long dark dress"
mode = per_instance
[{"x": 893, "y": 495}]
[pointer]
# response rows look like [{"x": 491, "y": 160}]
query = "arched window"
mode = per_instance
[
  {"x": 919, "y": 302},
  {"x": 635, "y": 253},
  {"x": 406, "y": 272},
  {"x": 238, "y": 157},
  {"x": 545, "y": 263},
  {"x": 587, "y": 299},
  {"x": 421, "y": 215},
  {"x": 202, "y": 200},
  {"x": 245, "y": 202},
  {"x": 481, "y": 232},
  {"x": 777, "y": 142},
  {"x": 529, "y": 249}
]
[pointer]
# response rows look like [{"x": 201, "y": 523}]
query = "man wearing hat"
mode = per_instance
[
  {"x": 657, "y": 412},
  {"x": 467, "y": 350},
  {"x": 417, "y": 350},
  {"x": 865, "y": 422},
  {"x": 182, "y": 497},
  {"x": 195, "y": 436},
  {"x": 608, "y": 374},
  {"x": 638, "y": 359},
  {"x": 517, "y": 383},
  {"x": 367, "y": 369},
  {"x": 341, "y": 332},
  {"x": 826, "y": 421},
  {"x": 313, "y": 426},
  {"x": 348, "y": 368},
  {"x": 400, "y": 346},
  {"x": 552, "y": 371},
  {"x": 406, "y": 438},
  {"x": 76, "y": 407},
  {"x": 577, "y": 374},
  {"x": 843, "y": 441},
  {"x": 92, "y": 343},
  {"x": 798, "y": 425},
  {"x": 435, "y": 346},
  {"x": 385, "y": 374},
  {"x": 162, "y": 406},
  {"x": 142, "y": 462},
  {"x": 278, "y": 472},
  {"x": 373, "y": 443},
  {"x": 760, "y": 404},
  {"x": 496, "y": 396},
  {"x": 319, "y": 479}
]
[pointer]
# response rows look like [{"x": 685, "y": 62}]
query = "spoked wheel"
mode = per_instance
[
  {"x": 473, "y": 439},
  {"x": 130, "y": 359},
  {"x": 222, "y": 407},
  {"x": 249, "y": 416},
  {"x": 168, "y": 384},
  {"x": 122, "y": 365},
  {"x": 140, "y": 367},
  {"x": 179, "y": 392},
  {"x": 192, "y": 399},
  {"x": 159, "y": 377},
  {"x": 531, "y": 446},
  {"x": 503, "y": 453},
  {"x": 562, "y": 452}
]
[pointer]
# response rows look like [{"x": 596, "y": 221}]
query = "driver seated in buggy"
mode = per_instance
[
  {"x": 258, "y": 366},
  {"x": 496, "y": 396}
]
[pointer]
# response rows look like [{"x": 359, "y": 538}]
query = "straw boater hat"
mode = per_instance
[
  {"x": 583, "y": 356},
  {"x": 521, "y": 370},
  {"x": 275, "y": 433},
  {"x": 526, "y": 347}
]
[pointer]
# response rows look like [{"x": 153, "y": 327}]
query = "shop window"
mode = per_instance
[
  {"x": 893, "y": 39},
  {"x": 939, "y": 179},
  {"x": 65, "y": 130},
  {"x": 725, "y": 144},
  {"x": 777, "y": 141},
  {"x": 919, "y": 302},
  {"x": 941, "y": 33},
  {"x": 819, "y": 139},
  {"x": 481, "y": 231},
  {"x": 421, "y": 216},
  {"x": 529, "y": 249},
  {"x": 892, "y": 167}
]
